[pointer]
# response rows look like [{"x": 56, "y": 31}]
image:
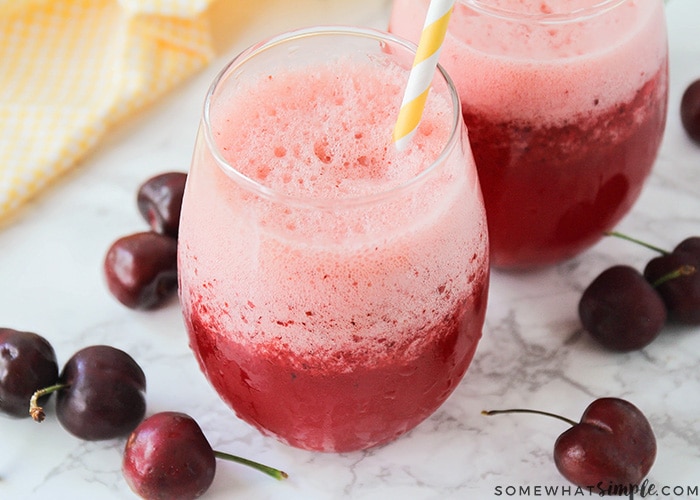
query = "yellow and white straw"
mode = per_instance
[{"x": 422, "y": 72}]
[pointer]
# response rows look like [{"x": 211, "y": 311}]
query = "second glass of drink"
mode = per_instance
[{"x": 565, "y": 104}]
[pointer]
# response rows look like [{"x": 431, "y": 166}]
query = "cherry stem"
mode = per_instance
[
  {"x": 527, "y": 410},
  {"x": 270, "y": 471},
  {"x": 684, "y": 270},
  {"x": 638, "y": 242},
  {"x": 35, "y": 410}
]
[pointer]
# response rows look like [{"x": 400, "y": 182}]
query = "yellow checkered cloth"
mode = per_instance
[{"x": 69, "y": 69}]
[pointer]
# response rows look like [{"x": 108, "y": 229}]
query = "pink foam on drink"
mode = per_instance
[
  {"x": 347, "y": 152},
  {"x": 547, "y": 75}
]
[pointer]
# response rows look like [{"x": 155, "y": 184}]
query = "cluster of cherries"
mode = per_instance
[
  {"x": 101, "y": 394},
  {"x": 141, "y": 268},
  {"x": 625, "y": 310}
]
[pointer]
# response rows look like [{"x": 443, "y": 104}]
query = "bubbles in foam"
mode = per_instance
[
  {"x": 547, "y": 73},
  {"x": 348, "y": 151}
]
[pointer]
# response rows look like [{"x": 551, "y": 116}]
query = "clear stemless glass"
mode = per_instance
[
  {"x": 565, "y": 103},
  {"x": 334, "y": 288}
]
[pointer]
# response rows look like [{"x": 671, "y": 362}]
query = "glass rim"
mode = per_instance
[
  {"x": 276, "y": 195},
  {"x": 575, "y": 15}
]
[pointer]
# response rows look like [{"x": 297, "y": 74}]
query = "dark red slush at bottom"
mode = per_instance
[
  {"x": 345, "y": 401},
  {"x": 552, "y": 191}
]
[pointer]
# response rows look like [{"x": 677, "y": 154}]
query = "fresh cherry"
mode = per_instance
[
  {"x": 159, "y": 200},
  {"x": 101, "y": 394},
  {"x": 676, "y": 277},
  {"x": 613, "y": 445},
  {"x": 167, "y": 456},
  {"x": 690, "y": 111},
  {"x": 27, "y": 363},
  {"x": 622, "y": 310},
  {"x": 141, "y": 269}
]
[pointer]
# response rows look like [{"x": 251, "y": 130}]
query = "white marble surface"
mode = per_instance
[{"x": 532, "y": 353}]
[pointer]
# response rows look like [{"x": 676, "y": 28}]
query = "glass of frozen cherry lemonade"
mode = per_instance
[
  {"x": 565, "y": 103},
  {"x": 333, "y": 287}
]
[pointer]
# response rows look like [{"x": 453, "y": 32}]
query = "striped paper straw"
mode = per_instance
[{"x": 422, "y": 72}]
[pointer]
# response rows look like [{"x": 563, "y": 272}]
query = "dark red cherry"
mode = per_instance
[
  {"x": 676, "y": 277},
  {"x": 690, "y": 111},
  {"x": 159, "y": 200},
  {"x": 27, "y": 363},
  {"x": 621, "y": 310},
  {"x": 141, "y": 269},
  {"x": 612, "y": 446},
  {"x": 167, "y": 456},
  {"x": 101, "y": 393}
]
